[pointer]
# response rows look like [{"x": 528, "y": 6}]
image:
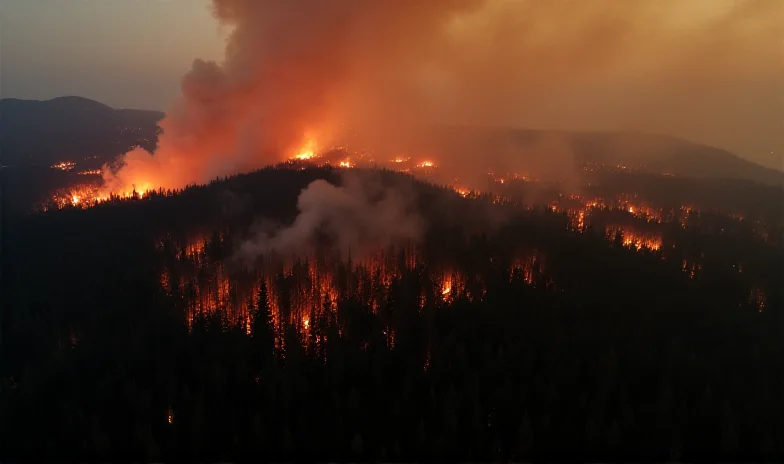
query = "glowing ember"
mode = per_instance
[
  {"x": 346, "y": 164},
  {"x": 692, "y": 269},
  {"x": 81, "y": 196},
  {"x": 390, "y": 336},
  {"x": 301, "y": 293},
  {"x": 757, "y": 298},
  {"x": 598, "y": 203},
  {"x": 528, "y": 269},
  {"x": 633, "y": 239},
  {"x": 64, "y": 165},
  {"x": 462, "y": 192},
  {"x": 451, "y": 285},
  {"x": 579, "y": 221},
  {"x": 399, "y": 160},
  {"x": 426, "y": 164},
  {"x": 446, "y": 288}
]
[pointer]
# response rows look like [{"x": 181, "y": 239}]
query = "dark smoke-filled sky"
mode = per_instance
[{"x": 711, "y": 71}]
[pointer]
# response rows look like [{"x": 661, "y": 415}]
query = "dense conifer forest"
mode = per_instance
[{"x": 130, "y": 329}]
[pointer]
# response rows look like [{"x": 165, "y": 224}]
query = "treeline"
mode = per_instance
[{"x": 623, "y": 357}]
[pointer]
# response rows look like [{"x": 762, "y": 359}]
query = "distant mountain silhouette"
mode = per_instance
[
  {"x": 40, "y": 133},
  {"x": 648, "y": 152}
]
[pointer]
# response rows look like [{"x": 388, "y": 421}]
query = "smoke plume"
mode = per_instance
[
  {"x": 358, "y": 216},
  {"x": 312, "y": 70}
]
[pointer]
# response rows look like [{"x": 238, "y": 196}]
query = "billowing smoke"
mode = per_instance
[
  {"x": 358, "y": 216},
  {"x": 300, "y": 70}
]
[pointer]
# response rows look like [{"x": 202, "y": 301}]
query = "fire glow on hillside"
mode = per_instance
[
  {"x": 580, "y": 211},
  {"x": 305, "y": 293}
]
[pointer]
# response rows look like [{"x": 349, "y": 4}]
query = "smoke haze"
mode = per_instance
[
  {"x": 360, "y": 215},
  {"x": 303, "y": 70}
]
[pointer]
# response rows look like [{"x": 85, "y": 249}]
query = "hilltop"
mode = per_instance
[
  {"x": 501, "y": 333},
  {"x": 631, "y": 151},
  {"x": 40, "y": 133}
]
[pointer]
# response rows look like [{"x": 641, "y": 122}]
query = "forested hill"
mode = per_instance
[
  {"x": 41, "y": 133},
  {"x": 90, "y": 133},
  {"x": 128, "y": 330},
  {"x": 633, "y": 151}
]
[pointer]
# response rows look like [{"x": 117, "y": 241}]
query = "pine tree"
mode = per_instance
[{"x": 263, "y": 331}]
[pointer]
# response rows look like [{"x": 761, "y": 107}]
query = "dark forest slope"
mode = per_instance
[
  {"x": 585, "y": 348},
  {"x": 70, "y": 129}
]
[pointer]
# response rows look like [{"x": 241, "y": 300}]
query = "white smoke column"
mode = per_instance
[{"x": 357, "y": 216}]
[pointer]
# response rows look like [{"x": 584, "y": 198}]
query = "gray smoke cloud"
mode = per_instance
[
  {"x": 357, "y": 216},
  {"x": 300, "y": 70}
]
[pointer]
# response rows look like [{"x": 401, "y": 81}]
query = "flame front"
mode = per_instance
[
  {"x": 305, "y": 293},
  {"x": 634, "y": 239},
  {"x": 307, "y": 152}
]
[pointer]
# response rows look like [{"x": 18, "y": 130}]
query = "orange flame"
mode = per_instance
[{"x": 307, "y": 151}]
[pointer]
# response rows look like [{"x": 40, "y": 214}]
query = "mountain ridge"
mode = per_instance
[{"x": 43, "y": 132}]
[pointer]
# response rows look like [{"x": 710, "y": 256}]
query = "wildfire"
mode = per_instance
[
  {"x": 462, "y": 192},
  {"x": 64, "y": 165},
  {"x": 446, "y": 288},
  {"x": 529, "y": 268},
  {"x": 81, "y": 196},
  {"x": 450, "y": 285},
  {"x": 135, "y": 191},
  {"x": 634, "y": 239},
  {"x": 596, "y": 203},
  {"x": 308, "y": 151},
  {"x": 346, "y": 164},
  {"x": 579, "y": 221},
  {"x": 301, "y": 292},
  {"x": 426, "y": 164},
  {"x": 400, "y": 160}
]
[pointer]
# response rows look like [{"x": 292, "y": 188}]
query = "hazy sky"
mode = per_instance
[
  {"x": 125, "y": 53},
  {"x": 714, "y": 77}
]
